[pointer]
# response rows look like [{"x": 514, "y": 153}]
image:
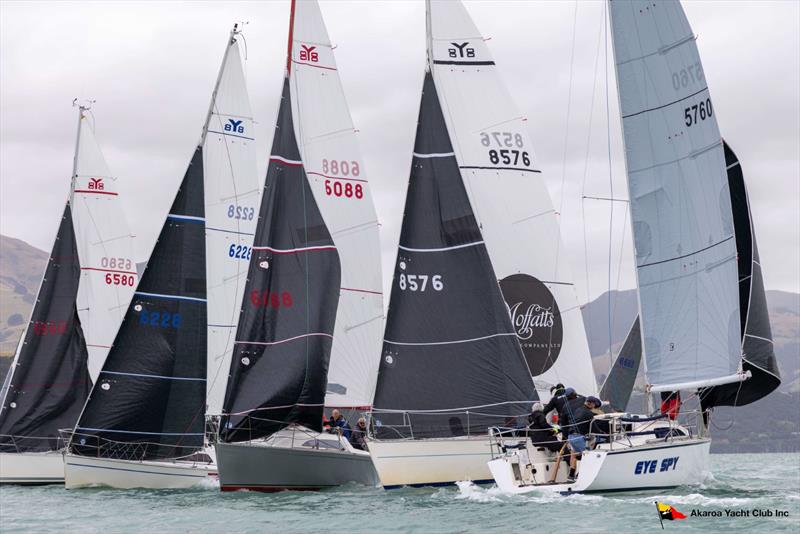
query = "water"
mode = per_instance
[{"x": 740, "y": 482}]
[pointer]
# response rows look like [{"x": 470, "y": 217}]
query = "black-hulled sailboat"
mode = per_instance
[
  {"x": 144, "y": 424},
  {"x": 87, "y": 284},
  {"x": 309, "y": 331}
]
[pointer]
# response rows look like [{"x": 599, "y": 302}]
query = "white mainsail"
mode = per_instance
[
  {"x": 329, "y": 148},
  {"x": 510, "y": 201},
  {"x": 231, "y": 190},
  {"x": 680, "y": 200},
  {"x": 105, "y": 248}
]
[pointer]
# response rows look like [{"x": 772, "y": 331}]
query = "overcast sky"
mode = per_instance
[{"x": 151, "y": 68}]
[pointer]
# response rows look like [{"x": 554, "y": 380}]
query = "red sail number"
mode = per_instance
[
  {"x": 119, "y": 279},
  {"x": 347, "y": 190},
  {"x": 266, "y": 299}
]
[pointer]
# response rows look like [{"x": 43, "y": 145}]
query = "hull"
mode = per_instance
[
  {"x": 82, "y": 471},
  {"x": 656, "y": 466},
  {"x": 261, "y": 467},
  {"x": 32, "y": 468},
  {"x": 431, "y": 462}
]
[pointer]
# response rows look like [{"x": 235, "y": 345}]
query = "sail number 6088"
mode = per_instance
[{"x": 419, "y": 282}]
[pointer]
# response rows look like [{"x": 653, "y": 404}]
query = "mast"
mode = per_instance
[
  {"x": 290, "y": 45},
  {"x": 81, "y": 109},
  {"x": 231, "y": 41}
]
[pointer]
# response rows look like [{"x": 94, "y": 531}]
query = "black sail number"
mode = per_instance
[{"x": 697, "y": 112}]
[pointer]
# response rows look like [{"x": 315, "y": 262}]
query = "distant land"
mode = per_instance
[{"x": 769, "y": 425}]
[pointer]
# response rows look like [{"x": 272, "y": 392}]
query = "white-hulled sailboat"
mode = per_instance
[
  {"x": 703, "y": 317},
  {"x": 310, "y": 327},
  {"x": 144, "y": 424},
  {"x": 87, "y": 285},
  {"x": 480, "y": 302}
]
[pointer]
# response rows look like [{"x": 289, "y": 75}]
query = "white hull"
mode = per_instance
[
  {"x": 82, "y": 471},
  {"x": 652, "y": 466},
  {"x": 32, "y": 468},
  {"x": 431, "y": 462}
]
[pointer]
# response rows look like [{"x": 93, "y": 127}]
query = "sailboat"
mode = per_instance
[
  {"x": 702, "y": 307},
  {"x": 482, "y": 313},
  {"x": 310, "y": 327},
  {"x": 144, "y": 424},
  {"x": 87, "y": 284}
]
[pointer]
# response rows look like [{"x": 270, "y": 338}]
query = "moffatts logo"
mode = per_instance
[
  {"x": 536, "y": 319},
  {"x": 96, "y": 184},
  {"x": 525, "y": 320}
]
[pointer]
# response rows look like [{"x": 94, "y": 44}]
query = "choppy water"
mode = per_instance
[{"x": 740, "y": 482}]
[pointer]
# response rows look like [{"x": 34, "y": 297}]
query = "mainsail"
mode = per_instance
[
  {"x": 510, "y": 201},
  {"x": 329, "y": 149},
  {"x": 309, "y": 332},
  {"x": 680, "y": 200},
  {"x": 150, "y": 400},
  {"x": 88, "y": 282},
  {"x": 758, "y": 355}
]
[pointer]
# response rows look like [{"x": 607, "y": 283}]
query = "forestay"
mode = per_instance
[
  {"x": 340, "y": 184},
  {"x": 680, "y": 199},
  {"x": 510, "y": 201},
  {"x": 231, "y": 187},
  {"x": 105, "y": 248}
]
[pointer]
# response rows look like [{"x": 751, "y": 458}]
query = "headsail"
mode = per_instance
[
  {"x": 621, "y": 378},
  {"x": 510, "y": 201},
  {"x": 680, "y": 200},
  {"x": 339, "y": 181},
  {"x": 758, "y": 355},
  {"x": 449, "y": 347},
  {"x": 283, "y": 342},
  {"x": 49, "y": 378},
  {"x": 149, "y": 401}
]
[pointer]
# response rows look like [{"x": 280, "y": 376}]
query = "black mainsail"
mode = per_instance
[
  {"x": 50, "y": 380},
  {"x": 278, "y": 373},
  {"x": 758, "y": 355},
  {"x": 449, "y": 346},
  {"x": 149, "y": 401}
]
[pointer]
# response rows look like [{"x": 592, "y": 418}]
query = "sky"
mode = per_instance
[{"x": 151, "y": 68}]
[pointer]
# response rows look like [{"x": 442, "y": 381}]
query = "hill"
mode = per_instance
[{"x": 771, "y": 424}]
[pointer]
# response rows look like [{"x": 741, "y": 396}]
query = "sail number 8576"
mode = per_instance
[{"x": 419, "y": 282}]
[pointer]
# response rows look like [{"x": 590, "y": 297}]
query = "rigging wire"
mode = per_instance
[{"x": 585, "y": 176}]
